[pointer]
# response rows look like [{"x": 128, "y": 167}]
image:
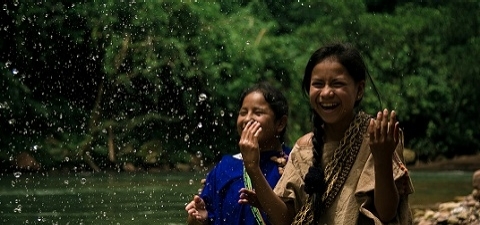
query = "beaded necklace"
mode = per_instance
[{"x": 281, "y": 161}]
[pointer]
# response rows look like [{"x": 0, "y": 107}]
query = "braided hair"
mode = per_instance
[{"x": 351, "y": 59}]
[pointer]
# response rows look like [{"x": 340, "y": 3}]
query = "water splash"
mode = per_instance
[
  {"x": 17, "y": 174},
  {"x": 202, "y": 97}
]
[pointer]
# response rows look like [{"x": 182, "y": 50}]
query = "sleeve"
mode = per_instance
[
  {"x": 403, "y": 182},
  {"x": 208, "y": 193},
  {"x": 290, "y": 185}
]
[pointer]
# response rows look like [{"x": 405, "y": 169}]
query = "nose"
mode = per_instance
[
  {"x": 248, "y": 117},
  {"x": 326, "y": 92}
]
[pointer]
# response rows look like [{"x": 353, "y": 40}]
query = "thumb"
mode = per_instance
[{"x": 198, "y": 201}]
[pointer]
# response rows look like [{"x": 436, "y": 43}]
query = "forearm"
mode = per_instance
[
  {"x": 386, "y": 197},
  {"x": 277, "y": 211}
]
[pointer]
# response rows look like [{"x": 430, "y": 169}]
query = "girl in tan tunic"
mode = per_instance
[{"x": 349, "y": 169}]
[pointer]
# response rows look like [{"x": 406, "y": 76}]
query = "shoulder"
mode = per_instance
[
  {"x": 227, "y": 166},
  {"x": 302, "y": 150},
  {"x": 229, "y": 161},
  {"x": 305, "y": 140}
]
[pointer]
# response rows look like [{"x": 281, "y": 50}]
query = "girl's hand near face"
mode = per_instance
[
  {"x": 384, "y": 135},
  {"x": 249, "y": 144}
]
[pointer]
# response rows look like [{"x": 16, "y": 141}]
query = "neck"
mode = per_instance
[
  {"x": 336, "y": 131},
  {"x": 276, "y": 145}
]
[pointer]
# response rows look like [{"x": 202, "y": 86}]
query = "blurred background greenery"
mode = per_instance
[{"x": 117, "y": 85}]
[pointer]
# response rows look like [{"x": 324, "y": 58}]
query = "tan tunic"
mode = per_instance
[{"x": 354, "y": 202}]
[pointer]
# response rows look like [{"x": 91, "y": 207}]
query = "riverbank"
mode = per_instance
[
  {"x": 462, "y": 209},
  {"x": 460, "y": 163}
]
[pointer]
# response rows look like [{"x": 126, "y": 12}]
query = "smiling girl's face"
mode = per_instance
[
  {"x": 256, "y": 108},
  {"x": 333, "y": 92}
]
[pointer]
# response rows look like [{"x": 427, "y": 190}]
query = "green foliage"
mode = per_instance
[{"x": 161, "y": 80}]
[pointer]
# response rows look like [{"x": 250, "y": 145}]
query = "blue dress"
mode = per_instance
[{"x": 221, "y": 191}]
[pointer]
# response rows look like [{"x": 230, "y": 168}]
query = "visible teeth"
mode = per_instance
[{"x": 329, "y": 104}]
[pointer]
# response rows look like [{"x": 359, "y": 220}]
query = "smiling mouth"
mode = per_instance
[{"x": 329, "y": 106}]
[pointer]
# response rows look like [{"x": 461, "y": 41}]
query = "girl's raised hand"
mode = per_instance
[
  {"x": 249, "y": 144},
  {"x": 384, "y": 134}
]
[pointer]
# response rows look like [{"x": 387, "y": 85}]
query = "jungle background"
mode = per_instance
[{"x": 113, "y": 85}]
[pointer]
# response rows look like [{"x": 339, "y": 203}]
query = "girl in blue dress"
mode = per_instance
[{"x": 262, "y": 118}]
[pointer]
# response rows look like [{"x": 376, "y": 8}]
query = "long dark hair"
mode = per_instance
[
  {"x": 274, "y": 97},
  {"x": 351, "y": 59}
]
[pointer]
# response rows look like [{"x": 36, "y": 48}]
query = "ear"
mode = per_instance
[
  {"x": 360, "y": 90},
  {"x": 281, "y": 123}
]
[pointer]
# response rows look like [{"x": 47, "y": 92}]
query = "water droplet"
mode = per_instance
[
  {"x": 222, "y": 113},
  {"x": 66, "y": 182},
  {"x": 17, "y": 174},
  {"x": 83, "y": 180},
  {"x": 15, "y": 71},
  {"x": 200, "y": 125},
  {"x": 248, "y": 42},
  {"x": 190, "y": 182},
  {"x": 186, "y": 137},
  {"x": 18, "y": 209},
  {"x": 199, "y": 154},
  {"x": 202, "y": 97}
]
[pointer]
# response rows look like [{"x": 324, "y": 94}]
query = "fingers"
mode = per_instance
[
  {"x": 257, "y": 132},
  {"x": 384, "y": 123},
  {"x": 251, "y": 129},
  {"x": 197, "y": 199},
  {"x": 396, "y": 133},
  {"x": 391, "y": 123},
  {"x": 394, "y": 126},
  {"x": 371, "y": 130},
  {"x": 196, "y": 208},
  {"x": 384, "y": 127},
  {"x": 249, "y": 135},
  {"x": 196, "y": 203},
  {"x": 247, "y": 196}
]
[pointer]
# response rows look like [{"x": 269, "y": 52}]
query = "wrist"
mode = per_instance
[{"x": 253, "y": 169}]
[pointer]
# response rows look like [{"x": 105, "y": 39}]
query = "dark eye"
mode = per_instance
[
  {"x": 338, "y": 84},
  {"x": 258, "y": 112},
  {"x": 318, "y": 84},
  {"x": 242, "y": 112}
]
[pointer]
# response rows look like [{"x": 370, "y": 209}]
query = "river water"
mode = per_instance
[{"x": 148, "y": 198}]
